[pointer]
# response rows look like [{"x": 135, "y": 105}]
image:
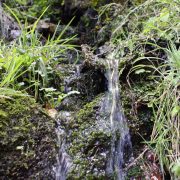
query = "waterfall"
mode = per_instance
[
  {"x": 64, "y": 161},
  {"x": 121, "y": 144},
  {"x": 110, "y": 119}
]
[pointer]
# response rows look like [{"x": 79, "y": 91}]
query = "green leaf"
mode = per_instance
[
  {"x": 139, "y": 71},
  {"x": 3, "y": 113},
  {"x": 16, "y": 128},
  {"x": 175, "y": 111},
  {"x": 176, "y": 169},
  {"x": 19, "y": 147},
  {"x": 164, "y": 16},
  {"x": 50, "y": 89}
]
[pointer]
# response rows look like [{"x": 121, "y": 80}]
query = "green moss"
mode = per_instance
[
  {"x": 26, "y": 135},
  {"x": 135, "y": 105},
  {"x": 95, "y": 3},
  {"x": 86, "y": 114},
  {"x": 3, "y": 113},
  {"x": 14, "y": 123},
  {"x": 134, "y": 172},
  {"x": 89, "y": 143}
]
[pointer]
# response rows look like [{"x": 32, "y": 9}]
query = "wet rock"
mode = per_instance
[
  {"x": 9, "y": 28},
  {"x": 71, "y": 4},
  {"x": 65, "y": 117},
  {"x": 67, "y": 77},
  {"x": 135, "y": 105},
  {"x": 27, "y": 140},
  {"x": 89, "y": 81},
  {"x": 47, "y": 28},
  {"x": 88, "y": 141},
  {"x": 82, "y": 118},
  {"x": 68, "y": 103}
]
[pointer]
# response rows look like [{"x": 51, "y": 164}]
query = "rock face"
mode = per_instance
[
  {"x": 87, "y": 140},
  {"x": 85, "y": 124},
  {"x": 83, "y": 3},
  {"x": 9, "y": 29},
  {"x": 71, "y": 4},
  {"x": 86, "y": 129},
  {"x": 86, "y": 3},
  {"x": 27, "y": 140}
]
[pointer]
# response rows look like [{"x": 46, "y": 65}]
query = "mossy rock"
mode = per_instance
[
  {"x": 89, "y": 142},
  {"x": 27, "y": 140},
  {"x": 135, "y": 104},
  {"x": 85, "y": 3}
]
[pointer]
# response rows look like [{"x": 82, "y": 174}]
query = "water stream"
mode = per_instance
[
  {"x": 63, "y": 160},
  {"x": 121, "y": 144},
  {"x": 120, "y": 148}
]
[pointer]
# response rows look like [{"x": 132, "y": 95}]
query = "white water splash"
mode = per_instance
[{"x": 120, "y": 132}]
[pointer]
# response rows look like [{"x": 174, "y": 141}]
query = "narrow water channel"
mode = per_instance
[
  {"x": 62, "y": 157},
  {"x": 121, "y": 144}
]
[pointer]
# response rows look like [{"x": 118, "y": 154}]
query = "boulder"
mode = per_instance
[{"x": 27, "y": 140}]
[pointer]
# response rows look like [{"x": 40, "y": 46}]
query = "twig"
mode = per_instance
[{"x": 135, "y": 160}]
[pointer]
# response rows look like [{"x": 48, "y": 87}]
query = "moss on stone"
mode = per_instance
[
  {"x": 87, "y": 112},
  {"x": 135, "y": 104},
  {"x": 135, "y": 171},
  {"x": 89, "y": 144},
  {"x": 27, "y": 142}
]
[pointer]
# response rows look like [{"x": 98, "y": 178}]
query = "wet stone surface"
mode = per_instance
[{"x": 27, "y": 140}]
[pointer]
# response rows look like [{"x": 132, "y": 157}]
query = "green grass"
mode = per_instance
[
  {"x": 165, "y": 139},
  {"x": 27, "y": 63}
]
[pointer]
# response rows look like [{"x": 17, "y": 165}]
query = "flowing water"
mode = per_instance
[
  {"x": 63, "y": 160},
  {"x": 121, "y": 144},
  {"x": 120, "y": 149}
]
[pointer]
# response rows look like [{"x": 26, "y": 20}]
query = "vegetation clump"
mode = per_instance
[{"x": 147, "y": 46}]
